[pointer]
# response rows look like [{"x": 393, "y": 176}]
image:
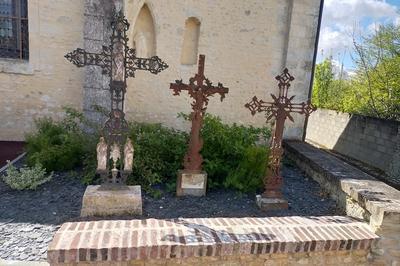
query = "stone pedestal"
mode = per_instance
[
  {"x": 112, "y": 200},
  {"x": 191, "y": 183},
  {"x": 268, "y": 204}
]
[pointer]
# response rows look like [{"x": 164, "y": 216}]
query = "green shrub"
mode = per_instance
[
  {"x": 59, "y": 145},
  {"x": 158, "y": 155},
  {"x": 26, "y": 177},
  {"x": 232, "y": 157},
  {"x": 249, "y": 173},
  {"x": 226, "y": 148}
]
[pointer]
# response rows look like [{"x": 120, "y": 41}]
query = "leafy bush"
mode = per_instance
[
  {"x": 26, "y": 177},
  {"x": 159, "y": 153},
  {"x": 59, "y": 145},
  {"x": 230, "y": 151},
  {"x": 226, "y": 148},
  {"x": 248, "y": 175}
]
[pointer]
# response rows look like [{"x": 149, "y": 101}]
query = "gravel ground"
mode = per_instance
[{"x": 29, "y": 219}]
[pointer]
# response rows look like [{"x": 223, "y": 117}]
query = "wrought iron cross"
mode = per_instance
[
  {"x": 280, "y": 108},
  {"x": 200, "y": 89},
  {"x": 119, "y": 62}
]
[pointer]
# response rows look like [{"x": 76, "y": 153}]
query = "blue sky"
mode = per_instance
[{"x": 343, "y": 17}]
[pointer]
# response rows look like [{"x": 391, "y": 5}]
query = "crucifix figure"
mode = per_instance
[
  {"x": 119, "y": 62},
  {"x": 200, "y": 89},
  {"x": 279, "y": 109}
]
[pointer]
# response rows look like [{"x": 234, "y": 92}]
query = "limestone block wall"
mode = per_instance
[
  {"x": 370, "y": 140},
  {"x": 246, "y": 43},
  {"x": 43, "y": 84}
]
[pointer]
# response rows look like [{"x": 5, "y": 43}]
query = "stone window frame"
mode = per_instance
[
  {"x": 22, "y": 66},
  {"x": 14, "y": 30}
]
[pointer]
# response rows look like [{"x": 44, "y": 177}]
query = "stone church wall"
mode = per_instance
[
  {"x": 246, "y": 43},
  {"x": 41, "y": 86}
]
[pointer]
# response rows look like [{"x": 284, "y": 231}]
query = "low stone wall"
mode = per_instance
[
  {"x": 361, "y": 195},
  {"x": 370, "y": 140},
  {"x": 331, "y": 240}
]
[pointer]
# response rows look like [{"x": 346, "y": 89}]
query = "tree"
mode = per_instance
[
  {"x": 322, "y": 82},
  {"x": 378, "y": 74},
  {"x": 375, "y": 89}
]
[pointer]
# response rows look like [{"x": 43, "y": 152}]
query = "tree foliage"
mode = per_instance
[{"x": 375, "y": 88}]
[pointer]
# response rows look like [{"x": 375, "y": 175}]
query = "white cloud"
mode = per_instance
[
  {"x": 344, "y": 13},
  {"x": 342, "y": 17}
]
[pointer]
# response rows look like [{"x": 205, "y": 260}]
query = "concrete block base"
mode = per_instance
[
  {"x": 112, "y": 201},
  {"x": 191, "y": 183},
  {"x": 268, "y": 204}
]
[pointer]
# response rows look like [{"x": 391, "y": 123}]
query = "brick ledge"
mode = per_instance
[{"x": 126, "y": 240}]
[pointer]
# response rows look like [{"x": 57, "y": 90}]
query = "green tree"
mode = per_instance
[
  {"x": 322, "y": 82},
  {"x": 377, "y": 82},
  {"x": 375, "y": 89}
]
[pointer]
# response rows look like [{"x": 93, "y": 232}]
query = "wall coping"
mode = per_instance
[
  {"x": 375, "y": 196},
  {"x": 125, "y": 240},
  {"x": 383, "y": 121}
]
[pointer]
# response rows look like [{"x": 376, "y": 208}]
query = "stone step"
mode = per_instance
[{"x": 152, "y": 239}]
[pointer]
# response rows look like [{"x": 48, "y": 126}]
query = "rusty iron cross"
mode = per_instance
[
  {"x": 200, "y": 89},
  {"x": 119, "y": 62},
  {"x": 279, "y": 109}
]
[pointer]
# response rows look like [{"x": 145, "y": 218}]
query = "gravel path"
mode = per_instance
[{"x": 29, "y": 219}]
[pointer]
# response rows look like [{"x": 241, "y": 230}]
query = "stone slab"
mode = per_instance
[
  {"x": 191, "y": 183},
  {"x": 269, "y": 204},
  {"x": 98, "y": 201},
  {"x": 154, "y": 240}
]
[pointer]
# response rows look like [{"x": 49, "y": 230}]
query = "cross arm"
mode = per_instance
[
  {"x": 305, "y": 108},
  {"x": 220, "y": 89},
  {"x": 81, "y": 58},
  {"x": 153, "y": 64},
  {"x": 257, "y": 106},
  {"x": 179, "y": 86}
]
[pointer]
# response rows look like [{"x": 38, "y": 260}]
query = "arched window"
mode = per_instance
[
  {"x": 144, "y": 37},
  {"x": 190, "y": 41}
]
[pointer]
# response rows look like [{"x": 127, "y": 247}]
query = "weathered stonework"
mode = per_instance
[
  {"x": 247, "y": 44},
  {"x": 41, "y": 86},
  {"x": 370, "y": 140},
  {"x": 191, "y": 184},
  {"x": 326, "y": 240},
  {"x": 122, "y": 200},
  {"x": 359, "y": 194}
]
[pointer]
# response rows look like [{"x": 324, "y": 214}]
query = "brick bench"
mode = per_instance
[{"x": 218, "y": 241}]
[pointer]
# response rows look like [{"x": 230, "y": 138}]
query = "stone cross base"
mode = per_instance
[
  {"x": 191, "y": 183},
  {"x": 268, "y": 204},
  {"x": 112, "y": 201}
]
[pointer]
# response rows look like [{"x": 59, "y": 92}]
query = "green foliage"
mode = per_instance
[
  {"x": 249, "y": 173},
  {"x": 26, "y": 177},
  {"x": 59, "y": 145},
  {"x": 226, "y": 147},
  {"x": 375, "y": 89},
  {"x": 158, "y": 155},
  {"x": 233, "y": 156}
]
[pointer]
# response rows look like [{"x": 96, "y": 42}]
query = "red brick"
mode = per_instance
[{"x": 154, "y": 239}]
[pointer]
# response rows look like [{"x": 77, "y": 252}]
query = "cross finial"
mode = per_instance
[
  {"x": 284, "y": 82},
  {"x": 202, "y": 59}
]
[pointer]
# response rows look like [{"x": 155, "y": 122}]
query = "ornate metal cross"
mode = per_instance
[
  {"x": 119, "y": 62},
  {"x": 280, "y": 108},
  {"x": 199, "y": 88}
]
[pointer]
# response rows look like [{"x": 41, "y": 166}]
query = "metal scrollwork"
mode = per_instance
[{"x": 119, "y": 62}]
